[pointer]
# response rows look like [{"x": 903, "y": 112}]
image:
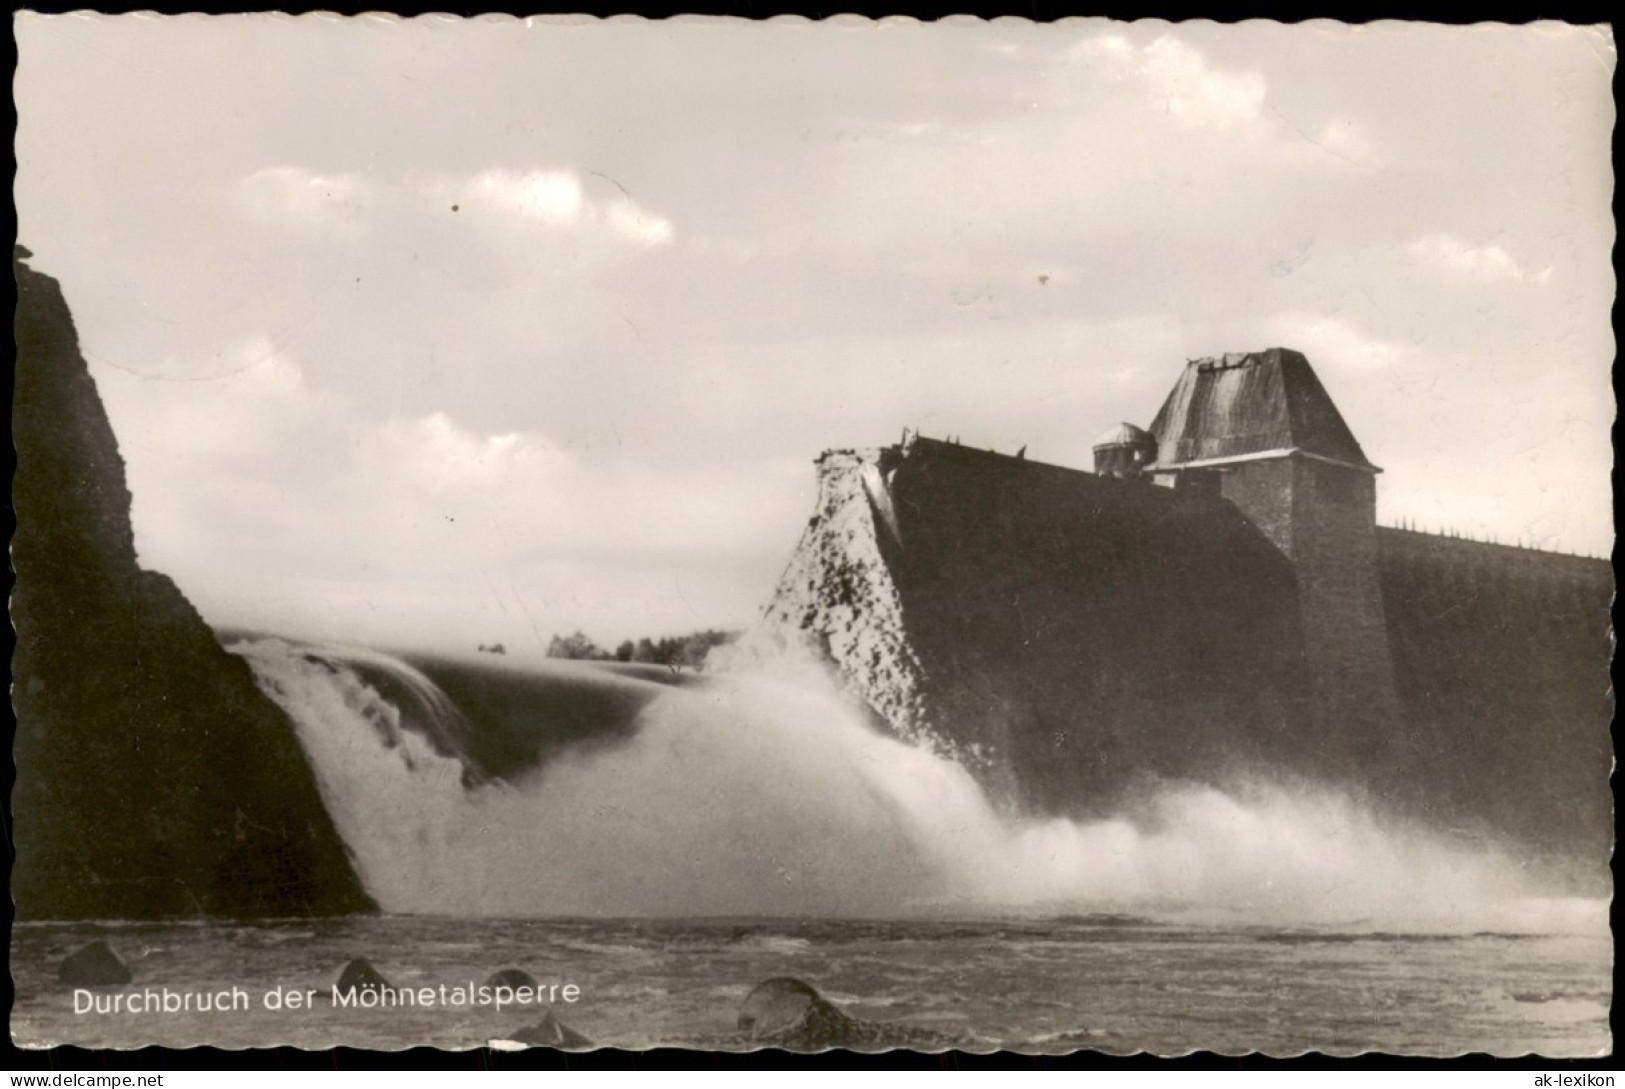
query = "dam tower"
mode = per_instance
[{"x": 1259, "y": 429}]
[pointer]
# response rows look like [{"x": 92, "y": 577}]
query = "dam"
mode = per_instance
[
  {"x": 1216, "y": 597},
  {"x": 1214, "y": 600}
]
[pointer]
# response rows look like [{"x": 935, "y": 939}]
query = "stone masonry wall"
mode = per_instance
[
  {"x": 1322, "y": 518},
  {"x": 1345, "y": 635},
  {"x": 1501, "y": 659}
]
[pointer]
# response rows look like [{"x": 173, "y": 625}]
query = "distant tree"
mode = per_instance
[
  {"x": 681, "y": 651},
  {"x": 576, "y": 646},
  {"x": 675, "y": 651},
  {"x": 695, "y": 647}
]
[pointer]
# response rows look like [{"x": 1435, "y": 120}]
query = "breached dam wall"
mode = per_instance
[
  {"x": 1060, "y": 632},
  {"x": 1066, "y": 635},
  {"x": 838, "y": 593},
  {"x": 153, "y": 777}
]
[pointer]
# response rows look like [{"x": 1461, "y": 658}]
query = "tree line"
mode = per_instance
[{"x": 674, "y": 650}]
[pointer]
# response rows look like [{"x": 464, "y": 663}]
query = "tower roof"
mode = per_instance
[{"x": 1249, "y": 404}]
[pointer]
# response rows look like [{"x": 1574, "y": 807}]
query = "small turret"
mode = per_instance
[{"x": 1124, "y": 451}]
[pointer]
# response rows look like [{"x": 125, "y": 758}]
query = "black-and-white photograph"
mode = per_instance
[{"x": 851, "y": 534}]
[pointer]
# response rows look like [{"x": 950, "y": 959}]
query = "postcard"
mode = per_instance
[{"x": 728, "y": 534}]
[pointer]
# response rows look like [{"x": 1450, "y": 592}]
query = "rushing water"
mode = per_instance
[
  {"x": 664, "y": 842},
  {"x": 1111, "y": 984}
]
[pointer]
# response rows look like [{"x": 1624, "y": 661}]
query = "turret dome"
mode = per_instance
[
  {"x": 1125, "y": 434},
  {"x": 1124, "y": 451}
]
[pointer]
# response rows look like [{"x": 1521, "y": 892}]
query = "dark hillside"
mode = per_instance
[{"x": 153, "y": 778}]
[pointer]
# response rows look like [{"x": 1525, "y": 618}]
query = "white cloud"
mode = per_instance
[
  {"x": 630, "y": 221},
  {"x": 435, "y": 453},
  {"x": 555, "y": 199},
  {"x": 272, "y": 461},
  {"x": 1335, "y": 344},
  {"x": 290, "y": 194},
  {"x": 263, "y": 491},
  {"x": 1177, "y": 78},
  {"x": 1457, "y": 259},
  {"x": 1346, "y": 139},
  {"x": 1196, "y": 93},
  {"x": 550, "y": 197}
]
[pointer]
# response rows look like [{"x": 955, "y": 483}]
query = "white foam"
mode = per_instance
[{"x": 769, "y": 795}]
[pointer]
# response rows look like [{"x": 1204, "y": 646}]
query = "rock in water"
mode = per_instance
[
  {"x": 154, "y": 779},
  {"x": 93, "y": 965},
  {"x": 512, "y": 978},
  {"x": 359, "y": 975},
  {"x": 550, "y": 1032},
  {"x": 790, "y": 1014}
]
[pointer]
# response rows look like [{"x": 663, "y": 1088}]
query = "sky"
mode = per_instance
[{"x": 441, "y": 332}]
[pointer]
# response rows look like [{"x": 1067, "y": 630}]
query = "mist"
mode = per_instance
[{"x": 768, "y": 794}]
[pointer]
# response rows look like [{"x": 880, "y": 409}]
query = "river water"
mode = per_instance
[
  {"x": 662, "y": 843},
  {"x": 1113, "y": 984}
]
